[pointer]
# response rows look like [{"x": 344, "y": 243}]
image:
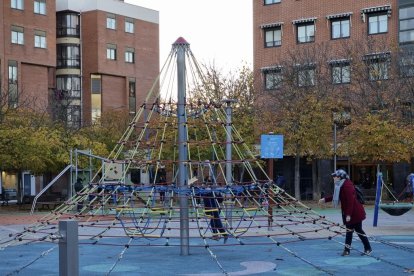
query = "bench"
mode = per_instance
[
  {"x": 48, "y": 202},
  {"x": 7, "y": 195}
]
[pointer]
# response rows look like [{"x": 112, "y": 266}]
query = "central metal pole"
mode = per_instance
[
  {"x": 229, "y": 113},
  {"x": 181, "y": 46}
]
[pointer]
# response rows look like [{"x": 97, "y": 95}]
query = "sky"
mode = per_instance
[{"x": 219, "y": 31}]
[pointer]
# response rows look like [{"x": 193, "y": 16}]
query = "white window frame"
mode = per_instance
[
  {"x": 12, "y": 75},
  {"x": 111, "y": 22},
  {"x": 129, "y": 56},
  {"x": 129, "y": 26},
  {"x": 39, "y": 7},
  {"x": 111, "y": 52},
  {"x": 17, "y": 35},
  {"x": 40, "y": 39},
  {"x": 17, "y": 4}
]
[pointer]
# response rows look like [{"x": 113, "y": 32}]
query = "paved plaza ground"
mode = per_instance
[{"x": 392, "y": 241}]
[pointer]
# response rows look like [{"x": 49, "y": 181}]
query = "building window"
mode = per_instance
[
  {"x": 17, "y": 4},
  {"x": 341, "y": 72},
  {"x": 377, "y": 23},
  {"x": 407, "y": 65},
  {"x": 306, "y": 75},
  {"x": 272, "y": 78},
  {"x": 269, "y": 2},
  {"x": 12, "y": 89},
  {"x": 73, "y": 116},
  {"x": 406, "y": 25},
  {"x": 40, "y": 6},
  {"x": 129, "y": 25},
  {"x": 305, "y": 32},
  {"x": 377, "y": 18},
  {"x": 273, "y": 37},
  {"x": 110, "y": 21},
  {"x": 129, "y": 55},
  {"x": 132, "y": 95},
  {"x": 17, "y": 35},
  {"x": 70, "y": 85},
  {"x": 96, "y": 94},
  {"x": 408, "y": 112},
  {"x": 68, "y": 56},
  {"x": 340, "y": 28},
  {"x": 111, "y": 51},
  {"x": 378, "y": 66},
  {"x": 378, "y": 70},
  {"x": 67, "y": 25},
  {"x": 40, "y": 39}
]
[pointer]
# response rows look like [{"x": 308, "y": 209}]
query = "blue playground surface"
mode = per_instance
[
  {"x": 310, "y": 257},
  {"x": 392, "y": 242}
]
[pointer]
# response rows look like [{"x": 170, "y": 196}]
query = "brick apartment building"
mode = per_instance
[
  {"x": 82, "y": 57},
  {"x": 76, "y": 59},
  {"x": 280, "y": 26},
  {"x": 27, "y": 51}
]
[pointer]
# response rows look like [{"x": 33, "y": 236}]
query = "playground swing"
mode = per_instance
[{"x": 395, "y": 208}]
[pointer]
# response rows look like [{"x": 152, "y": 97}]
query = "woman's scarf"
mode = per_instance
[{"x": 338, "y": 185}]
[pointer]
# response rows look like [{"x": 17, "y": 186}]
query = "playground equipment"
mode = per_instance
[
  {"x": 193, "y": 139},
  {"x": 394, "y": 208}
]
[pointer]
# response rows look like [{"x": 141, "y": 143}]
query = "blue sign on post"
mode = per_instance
[{"x": 271, "y": 146}]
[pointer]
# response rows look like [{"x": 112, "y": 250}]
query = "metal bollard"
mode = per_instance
[{"x": 68, "y": 248}]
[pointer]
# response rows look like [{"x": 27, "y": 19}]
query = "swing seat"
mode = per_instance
[{"x": 396, "y": 208}]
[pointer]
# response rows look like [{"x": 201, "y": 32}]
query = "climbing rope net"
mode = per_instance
[{"x": 248, "y": 210}]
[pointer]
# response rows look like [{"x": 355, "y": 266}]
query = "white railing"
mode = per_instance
[{"x": 68, "y": 167}]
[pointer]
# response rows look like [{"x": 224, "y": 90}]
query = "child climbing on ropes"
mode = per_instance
[
  {"x": 161, "y": 180},
  {"x": 353, "y": 212},
  {"x": 211, "y": 201}
]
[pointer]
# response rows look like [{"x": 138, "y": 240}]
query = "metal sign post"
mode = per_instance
[{"x": 271, "y": 147}]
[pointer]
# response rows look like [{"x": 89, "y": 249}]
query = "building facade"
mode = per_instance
[
  {"x": 27, "y": 52},
  {"x": 107, "y": 56},
  {"x": 76, "y": 59},
  {"x": 283, "y": 26}
]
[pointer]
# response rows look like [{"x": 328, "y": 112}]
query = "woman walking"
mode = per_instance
[{"x": 353, "y": 212}]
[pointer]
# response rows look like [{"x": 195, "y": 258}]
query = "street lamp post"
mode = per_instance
[
  {"x": 340, "y": 119},
  {"x": 334, "y": 146}
]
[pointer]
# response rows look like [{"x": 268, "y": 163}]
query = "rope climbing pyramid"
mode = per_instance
[{"x": 200, "y": 183}]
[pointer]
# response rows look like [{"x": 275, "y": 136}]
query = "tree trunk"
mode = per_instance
[
  {"x": 314, "y": 178},
  {"x": 318, "y": 188},
  {"x": 297, "y": 177},
  {"x": 20, "y": 191}
]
